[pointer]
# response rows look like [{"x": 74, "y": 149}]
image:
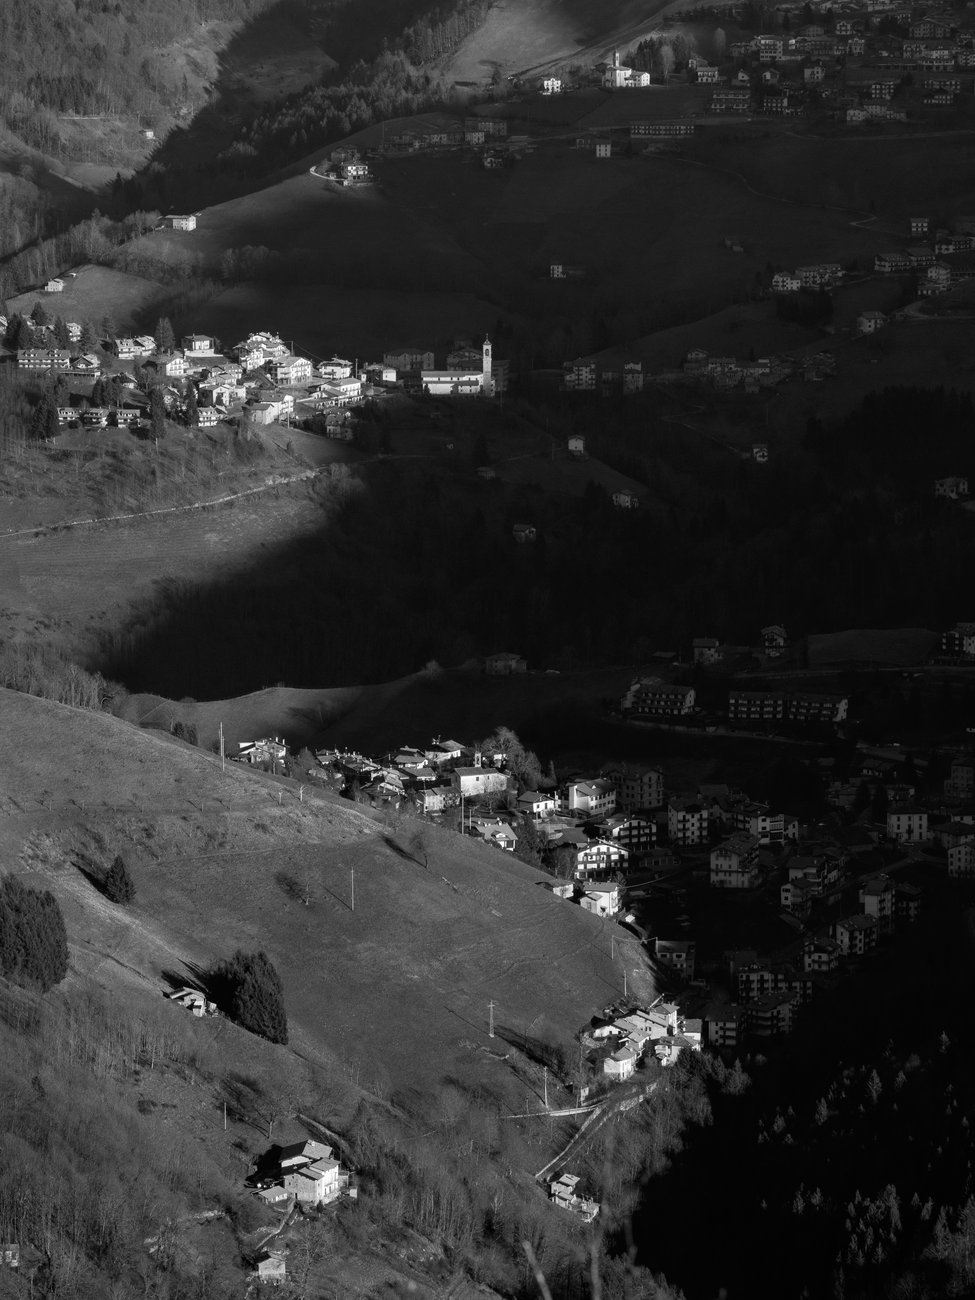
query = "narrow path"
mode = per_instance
[{"x": 276, "y": 481}]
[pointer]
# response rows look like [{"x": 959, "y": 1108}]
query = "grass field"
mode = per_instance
[
  {"x": 95, "y": 293},
  {"x": 396, "y": 990},
  {"x": 522, "y": 35}
]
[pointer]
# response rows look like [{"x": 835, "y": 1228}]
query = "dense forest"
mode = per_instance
[
  {"x": 96, "y": 59},
  {"x": 823, "y": 537}
]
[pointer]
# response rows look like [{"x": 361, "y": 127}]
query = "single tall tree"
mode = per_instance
[
  {"x": 44, "y": 421},
  {"x": 165, "y": 338},
  {"x": 157, "y": 414},
  {"x": 40, "y": 314},
  {"x": 119, "y": 887},
  {"x": 192, "y": 409}
]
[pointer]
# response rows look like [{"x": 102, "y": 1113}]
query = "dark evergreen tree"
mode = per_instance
[
  {"x": 249, "y": 990},
  {"x": 87, "y": 339},
  {"x": 19, "y": 334},
  {"x": 119, "y": 887},
  {"x": 40, "y": 315},
  {"x": 44, "y": 421},
  {"x": 60, "y": 333},
  {"x": 192, "y": 410},
  {"x": 33, "y": 940},
  {"x": 157, "y": 414},
  {"x": 165, "y": 338}
]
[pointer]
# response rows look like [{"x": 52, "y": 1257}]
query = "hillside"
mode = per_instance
[
  {"x": 528, "y": 35},
  {"x": 417, "y": 960}
]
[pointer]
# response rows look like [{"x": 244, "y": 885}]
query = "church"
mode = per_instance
[{"x": 466, "y": 381}]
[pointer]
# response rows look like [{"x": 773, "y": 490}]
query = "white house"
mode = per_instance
[
  {"x": 536, "y": 806},
  {"x": 594, "y": 798},
  {"x": 54, "y": 286},
  {"x": 187, "y": 222},
  {"x": 474, "y": 781},
  {"x": 289, "y": 370},
  {"x": 552, "y": 86},
  {"x": 198, "y": 345},
  {"x": 601, "y": 900}
]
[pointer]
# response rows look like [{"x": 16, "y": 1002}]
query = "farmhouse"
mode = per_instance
[
  {"x": 552, "y": 86},
  {"x": 180, "y": 222},
  {"x": 868, "y": 322},
  {"x": 270, "y": 1268},
  {"x": 54, "y": 286}
]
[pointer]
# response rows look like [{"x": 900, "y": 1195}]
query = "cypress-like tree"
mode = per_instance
[
  {"x": 44, "y": 421},
  {"x": 61, "y": 336},
  {"x": 249, "y": 989},
  {"x": 33, "y": 940},
  {"x": 192, "y": 409},
  {"x": 165, "y": 338},
  {"x": 157, "y": 414},
  {"x": 40, "y": 315},
  {"x": 118, "y": 885}
]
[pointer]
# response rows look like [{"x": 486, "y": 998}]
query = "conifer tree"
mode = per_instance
[
  {"x": 44, "y": 421},
  {"x": 33, "y": 940},
  {"x": 250, "y": 991},
  {"x": 119, "y": 887},
  {"x": 165, "y": 338},
  {"x": 40, "y": 315},
  {"x": 157, "y": 414}
]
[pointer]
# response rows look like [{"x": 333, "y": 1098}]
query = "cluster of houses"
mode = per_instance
[
  {"x": 659, "y": 1031},
  {"x": 850, "y": 62},
  {"x": 261, "y": 380},
  {"x": 609, "y": 375},
  {"x": 305, "y": 1173}
]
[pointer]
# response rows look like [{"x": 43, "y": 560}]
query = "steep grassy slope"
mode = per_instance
[
  {"x": 396, "y": 989},
  {"x": 519, "y": 35}
]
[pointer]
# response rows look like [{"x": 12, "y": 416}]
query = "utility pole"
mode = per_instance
[
  {"x": 225, "y": 1117},
  {"x": 223, "y": 760},
  {"x": 353, "y": 888},
  {"x": 624, "y": 981},
  {"x": 491, "y": 1005},
  {"x": 545, "y": 1084}
]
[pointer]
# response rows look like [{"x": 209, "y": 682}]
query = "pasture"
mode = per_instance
[
  {"x": 434, "y": 935},
  {"x": 95, "y": 293}
]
